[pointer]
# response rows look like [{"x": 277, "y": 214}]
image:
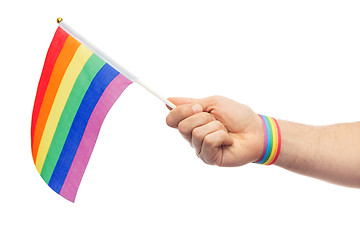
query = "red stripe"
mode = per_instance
[
  {"x": 51, "y": 56},
  {"x": 62, "y": 62}
]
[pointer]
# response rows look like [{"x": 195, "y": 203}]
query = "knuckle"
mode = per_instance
[
  {"x": 218, "y": 124},
  {"x": 196, "y": 133},
  {"x": 205, "y": 116},
  {"x": 208, "y": 141},
  {"x": 223, "y": 133},
  {"x": 183, "y": 128}
]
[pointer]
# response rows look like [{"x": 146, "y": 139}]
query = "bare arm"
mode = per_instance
[
  {"x": 226, "y": 133},
  {"x": 330, "y": 153}
]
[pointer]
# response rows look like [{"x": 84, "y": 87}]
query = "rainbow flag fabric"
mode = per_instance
[{"x": 76, "y": 90}]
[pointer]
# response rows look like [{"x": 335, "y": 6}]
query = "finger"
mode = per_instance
[
  {"x": 199, "y": 133},
  {"x": 187, "y": 125},
  {"x": 181, "y": 112},
  {"x": 211, "y": 152}
]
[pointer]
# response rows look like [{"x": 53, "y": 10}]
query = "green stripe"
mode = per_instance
[{"x": 83, "y": 81}]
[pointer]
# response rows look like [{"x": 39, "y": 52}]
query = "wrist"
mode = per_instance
[
  {"x": 260, "y": 138},
  {"x": 296, "y": 143},
  {"x": 272, "y": 140}
]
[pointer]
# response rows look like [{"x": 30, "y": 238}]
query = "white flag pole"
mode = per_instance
[{"x": 110, "y": 61}]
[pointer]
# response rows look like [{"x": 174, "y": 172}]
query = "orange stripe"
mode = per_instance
[{"x": 65, "y": 57}]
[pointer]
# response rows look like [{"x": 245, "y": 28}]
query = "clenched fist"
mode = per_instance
[{"x": 222, "y": 131}]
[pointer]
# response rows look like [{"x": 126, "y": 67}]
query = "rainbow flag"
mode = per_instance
[{"x": 76, "y": 90}]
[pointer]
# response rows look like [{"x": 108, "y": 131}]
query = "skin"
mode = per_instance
[{"x": 226, "y": 133}]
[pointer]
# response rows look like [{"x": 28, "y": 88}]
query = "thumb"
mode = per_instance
[
  {"x": 204, "y": 102},
  {"x": 180, "y": 101},
  {"x": 225, "y": 110}
]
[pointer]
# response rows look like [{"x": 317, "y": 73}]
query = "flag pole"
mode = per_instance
[{"x": 110, "y": 61}]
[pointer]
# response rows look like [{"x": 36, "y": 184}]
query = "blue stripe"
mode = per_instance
[
  {"x": 92, "y": 96},
  {"x": 270, "y": 139}
]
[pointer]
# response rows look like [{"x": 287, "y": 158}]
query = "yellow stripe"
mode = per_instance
[
  {"x": 77, "y": 63},
  {"x": 275, "y": 140}
]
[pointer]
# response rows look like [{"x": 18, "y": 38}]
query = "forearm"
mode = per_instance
[{"x": 330, "y": 153}]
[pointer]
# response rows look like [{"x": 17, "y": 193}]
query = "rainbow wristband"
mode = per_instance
[{"x": 272, "y": 144}]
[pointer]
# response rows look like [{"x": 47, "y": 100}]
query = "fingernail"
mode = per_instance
[{"x": 197, "y": 108}]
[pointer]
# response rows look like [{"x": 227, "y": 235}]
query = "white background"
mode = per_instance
[{"x": 294, "y": 60}]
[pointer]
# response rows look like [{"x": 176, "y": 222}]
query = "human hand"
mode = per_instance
[{"x": 222, "y": 131}]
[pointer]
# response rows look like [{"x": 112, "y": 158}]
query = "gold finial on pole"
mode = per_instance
[{"x": 58, "y": 20}]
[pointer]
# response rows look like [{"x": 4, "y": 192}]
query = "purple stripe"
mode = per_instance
[
  {"x": 81, "y": 159},
  {"x": 265, "y": 145}
]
